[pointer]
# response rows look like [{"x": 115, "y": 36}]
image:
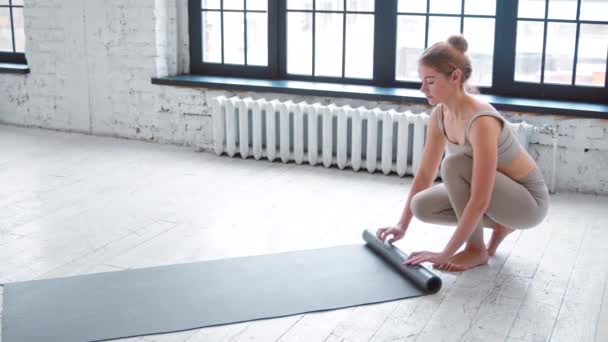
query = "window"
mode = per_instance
[
  {"x": 421, "y": 23},
  {"x": 330, "y": 38},
  {"x": 545, "y": 49},
  {"x": 561, "y": 48},
  {"x": 233, "y": 37},
  {"x": 12, "y": 36},
  {"x": 235, "y": 32}
]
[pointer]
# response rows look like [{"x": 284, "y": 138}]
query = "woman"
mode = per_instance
[{"x": 489, "y": 180}]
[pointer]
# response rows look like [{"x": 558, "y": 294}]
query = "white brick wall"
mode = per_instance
[{"x": 91, "y": 64}]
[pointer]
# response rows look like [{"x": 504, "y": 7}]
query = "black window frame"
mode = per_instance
[
  {"x": 215, "y": 69},
  {"x": 12, "y": 57},
  {"x": 506, "y": 31},
  {"x": 385, "y": 30}
]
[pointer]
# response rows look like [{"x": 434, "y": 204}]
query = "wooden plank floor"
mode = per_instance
[{"x": 74, "y": 204}]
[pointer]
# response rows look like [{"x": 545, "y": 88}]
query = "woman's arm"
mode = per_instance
[
  {"x": 483, "y": 136},
  {"x": 428, "y": 167},
  {"x": 423, "y": 178}
]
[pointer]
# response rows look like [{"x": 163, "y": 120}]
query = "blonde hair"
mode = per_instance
[{"x": 445, "y": 57}]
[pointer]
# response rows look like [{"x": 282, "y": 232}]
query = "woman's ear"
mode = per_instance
[{"x": 456, "y": 76}]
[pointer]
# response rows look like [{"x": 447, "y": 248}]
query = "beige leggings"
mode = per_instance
[{"x": 515, "y": 204}]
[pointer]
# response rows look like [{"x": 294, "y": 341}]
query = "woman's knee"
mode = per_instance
[
  {"x": 530, "y": 219},
  {"x": 456, "y": 165},
  {"x": 420, "y": 205},
  {"x": 432, "y": 206}
]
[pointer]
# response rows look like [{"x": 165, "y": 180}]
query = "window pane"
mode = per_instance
[
  {"x": 3, "y": 2},
  {"x": 446, "y": 6},
  {"x": 410, "y": 44},
  {"x": 19, "y": 31},
  {"x": 299, "y": 43},
  {"x": 6, "y": 36},
  {"x": 559, "y": 55},
  {"x": 234, "y": 47},
  {"x": 594, "y": 10},
  {"x": 210, "y": 4},
  {"x": 212, "y": 37},
  {"x": 562, "y": 9},
  {"x": 531, "y": 9},
  {"x": 299, "y": 4},
  {"x": 328, "y": 44},
  {"x": 330, "y": 5},
  {"x": 359, "y": 58},
  {"x": 480, "y": 7},
  {"x": 591, "y": 59},
  {"x": 17, "y": 2},
  {"x": 528, "y": 51},
  {"x": 440, "y": 28},
  {"x": 360, "y": 5},
  {"x": 258, "y": 5},
  {"x": 233, "y": 4},
  {"x": 257, "y": 39},
  {"x": 479, "y": 33},
  {"x": 413, "y": 6}
]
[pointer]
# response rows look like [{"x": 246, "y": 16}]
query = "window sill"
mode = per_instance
[
  {"x": 12, "y": 68},
  {"x": 578, "y": 109}
]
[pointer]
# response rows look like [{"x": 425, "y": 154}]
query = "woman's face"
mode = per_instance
[{"x": 436, "y": 86}]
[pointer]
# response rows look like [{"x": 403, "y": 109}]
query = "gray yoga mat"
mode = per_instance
[{"x": 186, "y": 296}]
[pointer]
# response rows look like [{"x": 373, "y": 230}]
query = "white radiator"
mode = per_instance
[{"x": 373, "y": 139}]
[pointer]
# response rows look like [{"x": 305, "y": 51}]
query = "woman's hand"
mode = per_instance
[
  {"x": 423, "y": 256},
  {"x": 397, "y": 233}
]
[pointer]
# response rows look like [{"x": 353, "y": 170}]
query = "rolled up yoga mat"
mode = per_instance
[
  {"x": 418, "y": 275},
  {"x": 186, "y": 296}
]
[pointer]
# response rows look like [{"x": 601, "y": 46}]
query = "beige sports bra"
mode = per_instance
[{"x": 508, "y": 146}]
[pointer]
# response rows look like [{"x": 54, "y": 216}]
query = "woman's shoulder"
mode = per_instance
[
  {"x": 435, "y": 121},
  {"x": 437, "y": 115},
  {"x": 437, "y": 109},
  {"x": 480, "y": 106},
  {"x": 481, "y": 118},
  {"x": 485, "y": 110}
]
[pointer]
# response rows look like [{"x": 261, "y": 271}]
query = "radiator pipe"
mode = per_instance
[{"x": 554, "y": 166}]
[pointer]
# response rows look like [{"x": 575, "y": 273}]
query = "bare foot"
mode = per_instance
[
  {"x": 499, "y": 233},
  {"x": 464, "y": 260}
]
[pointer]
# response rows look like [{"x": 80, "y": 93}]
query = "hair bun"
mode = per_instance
[{"x": 458, "y": 42}]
